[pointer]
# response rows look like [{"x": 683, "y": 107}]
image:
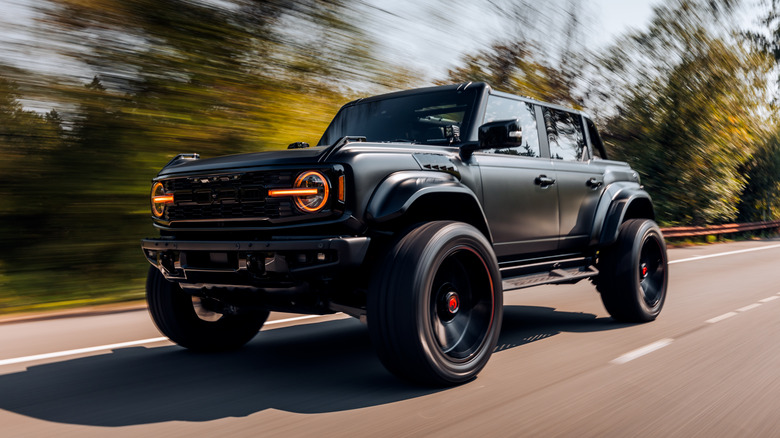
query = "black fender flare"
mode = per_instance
[
  {"x": 619, "y": 202},
  {"x": 400, "y": 191}
]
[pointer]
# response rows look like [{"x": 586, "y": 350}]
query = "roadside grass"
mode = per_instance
[
  {"x": 9, "y": 307},
  {"x": 67, "y": 260},
  {"x": 30, "y": 291}
]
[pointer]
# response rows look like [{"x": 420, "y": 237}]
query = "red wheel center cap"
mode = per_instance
[
  {"x": 453, "y": 303},
  {"x": 644, "y": 270}
]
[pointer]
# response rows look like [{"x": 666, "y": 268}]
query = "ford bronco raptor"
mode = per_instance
[{"x": 415, "y": 211}]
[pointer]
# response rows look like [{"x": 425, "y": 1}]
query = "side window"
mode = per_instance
[
  {"x": 501, "y": 108},
  {"x": 595, "y": 139},
  {"x": 565, "y": 135}
]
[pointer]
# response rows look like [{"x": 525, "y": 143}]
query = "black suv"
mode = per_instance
[{"x": 415, "y": 211}]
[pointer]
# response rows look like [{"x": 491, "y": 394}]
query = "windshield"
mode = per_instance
[{"x": 416, "y": 118}]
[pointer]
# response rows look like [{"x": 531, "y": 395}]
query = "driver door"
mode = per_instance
[{"x": 520, "y": 204}]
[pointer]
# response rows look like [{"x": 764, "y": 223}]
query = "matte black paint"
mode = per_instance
[{"x": 577, "y": 210}]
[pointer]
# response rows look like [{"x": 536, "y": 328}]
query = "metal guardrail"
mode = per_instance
[{"x": 718, "y": 229}]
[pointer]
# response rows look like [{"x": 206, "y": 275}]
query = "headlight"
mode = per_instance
[
  {"x": 160, "y": 199},
  {"x": 310, "y": 192},
  {"x": 312, "y": 201}
]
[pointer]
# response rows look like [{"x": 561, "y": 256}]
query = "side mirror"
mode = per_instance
[{"x": 500, "y": 134}]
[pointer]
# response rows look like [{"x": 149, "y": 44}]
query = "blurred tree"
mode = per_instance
[
  {"x": 26, "y": 141},
  {"x": 166, "y": 76},
  {"x": 767, "y": 38},
  {"x": 761, "y": 197},
  {"x": 27, "y": 197},
  {"x": 221, "y": 77},
  {"x": 760, "y": 201},
  {"x": 542, "y": 57},
  {"x": 513, "y": 68},
  {"x": 691, "y": 109}
]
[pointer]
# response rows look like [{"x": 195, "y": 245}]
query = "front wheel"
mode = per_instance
[
  {"x": 435, "y": 305},
  {"x": 634, "y": 272},
  {"x": 188, "y": 322}
]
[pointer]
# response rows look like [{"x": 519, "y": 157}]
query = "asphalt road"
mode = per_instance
[{"x": 709, "y": 367}]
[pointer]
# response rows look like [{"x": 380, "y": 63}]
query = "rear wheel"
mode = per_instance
[
  {"x": 435, "y": 306},
  {"x": 634, "y": 272},
  {"x": 190, "y": 321}
]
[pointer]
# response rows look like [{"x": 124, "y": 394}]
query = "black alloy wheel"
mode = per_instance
[
  {"x": 652, "y": 271},
  {"x": 461, "y": 304}
]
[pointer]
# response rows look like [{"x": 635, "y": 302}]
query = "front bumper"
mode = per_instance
[{"x": 250, "y": 263}]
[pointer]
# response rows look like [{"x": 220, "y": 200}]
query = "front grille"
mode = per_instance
[
  {"x": 228, "y": 196},
  {"x": 271, "y": 210}
]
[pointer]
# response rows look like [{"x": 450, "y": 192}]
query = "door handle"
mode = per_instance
[
  {"x": 594, "y": 183},
  {"x": 544, "y": 181}
]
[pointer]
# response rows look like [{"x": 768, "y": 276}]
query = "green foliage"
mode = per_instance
[
  {"x": 166, "y": 76},
  {"x": 518, "y": 69},
  {"x": 198, "y": 77},
  {"x": 760, "y": 201},
  {"x": 541, "y": 58},
  {"x": 66, "y": 215},
  {"x": 693, "y": 116}
]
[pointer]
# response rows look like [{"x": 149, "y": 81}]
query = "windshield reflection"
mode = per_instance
[{"x": 425, "y": 118}]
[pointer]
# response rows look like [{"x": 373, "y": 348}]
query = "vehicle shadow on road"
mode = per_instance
[
  {"x": 526, "y": 324},
  {"x": 314, "y": 368}
]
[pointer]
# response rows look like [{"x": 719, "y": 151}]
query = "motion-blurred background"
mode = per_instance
[{"x": 97, "y": 95}]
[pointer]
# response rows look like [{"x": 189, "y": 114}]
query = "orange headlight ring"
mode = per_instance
[{"x": 160, "y": 199}]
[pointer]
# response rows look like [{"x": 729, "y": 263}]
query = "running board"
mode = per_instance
[{"x": 556, "y": 276}]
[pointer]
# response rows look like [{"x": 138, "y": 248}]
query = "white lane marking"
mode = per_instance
[
  {"x": 297, "y": 318},
  {"x": 80, "y": 351},
  {"x": 122, "y": 345},
  {"x": 639, "y": 352},
  {"x": 750, "y": 307},
  {"x": 768, "y": 299},
  {"x": 721, "y": 317},
  {"x": 724, "y": 254}
]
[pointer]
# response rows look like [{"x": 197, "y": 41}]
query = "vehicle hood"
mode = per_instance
[
  {"x": 255, "y": 159},
  {"x": 289, "y": 157}
]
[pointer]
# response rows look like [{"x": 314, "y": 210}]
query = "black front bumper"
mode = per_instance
[{"x": 249, "y": 263}]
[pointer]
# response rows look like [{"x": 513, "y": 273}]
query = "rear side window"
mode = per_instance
[
  {"x": 501, "y": 108},
  {"x": 565, "y": 135},
  {"x": 595, "y": 139}
]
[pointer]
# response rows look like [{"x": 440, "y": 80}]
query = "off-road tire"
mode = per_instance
[
  {"x": 634, "y": 272},
  {"x": 174, "y": 315},
  {"x": 435, "y": 304}
]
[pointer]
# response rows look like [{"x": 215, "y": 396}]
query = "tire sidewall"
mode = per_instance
[
  {"x": 172, "y": 312},
  {"x": 641, "y": 233},
  {"x": 449, "y": 239},
  {"x": 651, "y": 234}
]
